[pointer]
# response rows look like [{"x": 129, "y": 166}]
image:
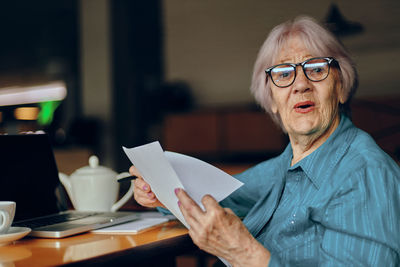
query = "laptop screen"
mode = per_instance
[{"x": 28, "y": 174}]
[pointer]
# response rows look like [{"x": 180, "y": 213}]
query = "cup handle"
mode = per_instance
[
  {"x": 5, "y": 221},
  {"x": 127, "y": 195}
]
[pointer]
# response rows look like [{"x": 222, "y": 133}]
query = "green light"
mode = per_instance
[{"x": 45, "y": 116}]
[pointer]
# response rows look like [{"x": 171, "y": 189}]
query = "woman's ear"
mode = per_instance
[
  {"x": 274, "y": 107},
  {"x": 342, "y": 99},
  {"x": 340, "y": 91},
  {"x": 342, "y": 95}
]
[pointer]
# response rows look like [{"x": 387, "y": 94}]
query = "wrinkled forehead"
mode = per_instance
[
  {"x": 298, "y": 44},
  {"x": 293, "y": 51}
]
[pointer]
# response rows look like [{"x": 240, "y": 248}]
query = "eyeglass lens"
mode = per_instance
[{"x": 314, "y": 69}]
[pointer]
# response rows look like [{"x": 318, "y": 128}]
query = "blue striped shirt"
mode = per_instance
[{"x": 339, "y": 206}]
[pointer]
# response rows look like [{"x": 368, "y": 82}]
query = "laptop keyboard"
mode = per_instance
[{"x": 53, "y": 219}]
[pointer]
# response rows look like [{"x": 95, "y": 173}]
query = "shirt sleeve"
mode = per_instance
[{"x": 362, "y": 221}]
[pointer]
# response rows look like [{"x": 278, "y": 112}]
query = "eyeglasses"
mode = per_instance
[{"x": 315, "y": 69}]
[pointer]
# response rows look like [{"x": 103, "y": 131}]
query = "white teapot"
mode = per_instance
[{"x": 95, "y": 188}]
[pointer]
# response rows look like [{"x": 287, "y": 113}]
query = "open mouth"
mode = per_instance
[{"x": 305, "y": 106}]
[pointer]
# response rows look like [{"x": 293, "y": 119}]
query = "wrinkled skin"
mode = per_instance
[{"x": 220, "y": 232}]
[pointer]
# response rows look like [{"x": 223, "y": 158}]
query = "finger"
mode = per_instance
[
  {"x": 134, "y": 172},
  {"x": 142, "y": 192},
  {"x": 142, "y": 185},
  {"x": 229, "y": 211},
  {"x": 194, "y": 224},
  {"x": 149, "y": 199},
  {"x": 210, "y": 203},
  {"x": 147, "y": 202},
  {"x": 188, "y": 204},
  {"x": 212, "y": 209},
  {"x": 143, "y": 197}
]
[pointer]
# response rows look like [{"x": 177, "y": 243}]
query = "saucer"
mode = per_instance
[{"x": 13, "y": 234}]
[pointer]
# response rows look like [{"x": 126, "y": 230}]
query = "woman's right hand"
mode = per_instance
[{"x": 142, "y": 191}]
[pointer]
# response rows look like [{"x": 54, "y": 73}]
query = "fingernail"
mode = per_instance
[
  {"x": 149, "y": 194},
  {"x": 176, "y": 190},
  {"x": 179, "y": 203},
  {"x": 145, "y": 187}
]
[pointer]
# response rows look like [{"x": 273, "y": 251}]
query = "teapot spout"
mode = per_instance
[{"x": 64, "y": 179}]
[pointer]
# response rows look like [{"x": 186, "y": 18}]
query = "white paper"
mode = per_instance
[
  {"x": 158, "y": 173},
  {"x": 166, "y": 171},
  {"x": 132, "y": 227},
  {"x": 200, "y": 178}
]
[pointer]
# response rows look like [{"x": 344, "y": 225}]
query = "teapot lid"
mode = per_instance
[{"x": 94, "y": 168}]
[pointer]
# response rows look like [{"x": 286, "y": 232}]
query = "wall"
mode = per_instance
[
  {"x": 95, "y": 58},
  {"x": 212, "y": 44},
  {"x": 96, "y": 70}
]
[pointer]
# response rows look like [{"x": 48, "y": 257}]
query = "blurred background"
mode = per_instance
[{"x": 100, "y": 74}]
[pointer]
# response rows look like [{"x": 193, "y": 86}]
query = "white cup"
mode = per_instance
[{"x": 7, "y": 212}]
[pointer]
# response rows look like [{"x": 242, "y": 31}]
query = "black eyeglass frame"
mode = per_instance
[{"x": 294, "y": 65}]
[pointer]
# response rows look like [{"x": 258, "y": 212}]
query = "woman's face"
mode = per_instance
[{"x": 306, "y": 107}]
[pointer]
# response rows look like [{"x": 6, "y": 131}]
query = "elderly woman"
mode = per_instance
[{"x": 332, "y": 197}]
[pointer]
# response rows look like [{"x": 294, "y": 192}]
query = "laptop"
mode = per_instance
[{"x": 29, "y": 176}]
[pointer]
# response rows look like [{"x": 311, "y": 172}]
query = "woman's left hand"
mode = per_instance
[{"x": 220, "y": 232}]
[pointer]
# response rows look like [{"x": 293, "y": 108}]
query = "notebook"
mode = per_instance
[
  {"x": 29, "y": 176},
  {"x": 148, "y": 220}
]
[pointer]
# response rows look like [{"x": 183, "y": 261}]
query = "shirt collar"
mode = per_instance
[{"x": 319, "y": 164}]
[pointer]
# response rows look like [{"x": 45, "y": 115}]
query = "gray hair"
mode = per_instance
[{"x": 320, "y": 42}]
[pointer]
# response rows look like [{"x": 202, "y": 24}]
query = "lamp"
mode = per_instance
[
  {"x": 19, "y": 95},
  {"x": 340, "y": 26}
]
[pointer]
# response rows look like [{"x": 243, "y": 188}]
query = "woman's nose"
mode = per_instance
[{"x": 302, "y": 83}]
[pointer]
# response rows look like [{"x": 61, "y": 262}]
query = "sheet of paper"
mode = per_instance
[
  {"x": 167, "y": 171},
  {"x": 149, "y": 159},
  {"x": 200, "y": 178},
  {"x": 132, "y": 227}
]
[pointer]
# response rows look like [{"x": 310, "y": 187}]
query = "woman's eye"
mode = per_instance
[
  {"x": 285, "y": 74},
  {"x": 315, "y": 67},
  {"x": 317, "y": 70}
]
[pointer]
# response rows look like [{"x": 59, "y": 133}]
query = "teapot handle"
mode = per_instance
[{"x": 127, "y": 195}]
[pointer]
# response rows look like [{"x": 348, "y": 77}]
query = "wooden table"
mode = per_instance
[{"x": 156, "y": 247}]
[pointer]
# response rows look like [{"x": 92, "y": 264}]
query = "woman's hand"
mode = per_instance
[
  {"x": 142, "y": 191},
  {"x": 220, "y": 232}
]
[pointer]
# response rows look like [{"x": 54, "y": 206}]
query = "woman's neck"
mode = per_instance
[{"x": 304, "y": 145}]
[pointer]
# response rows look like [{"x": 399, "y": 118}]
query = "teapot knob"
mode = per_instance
[{"x": 93, "y": 161}]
